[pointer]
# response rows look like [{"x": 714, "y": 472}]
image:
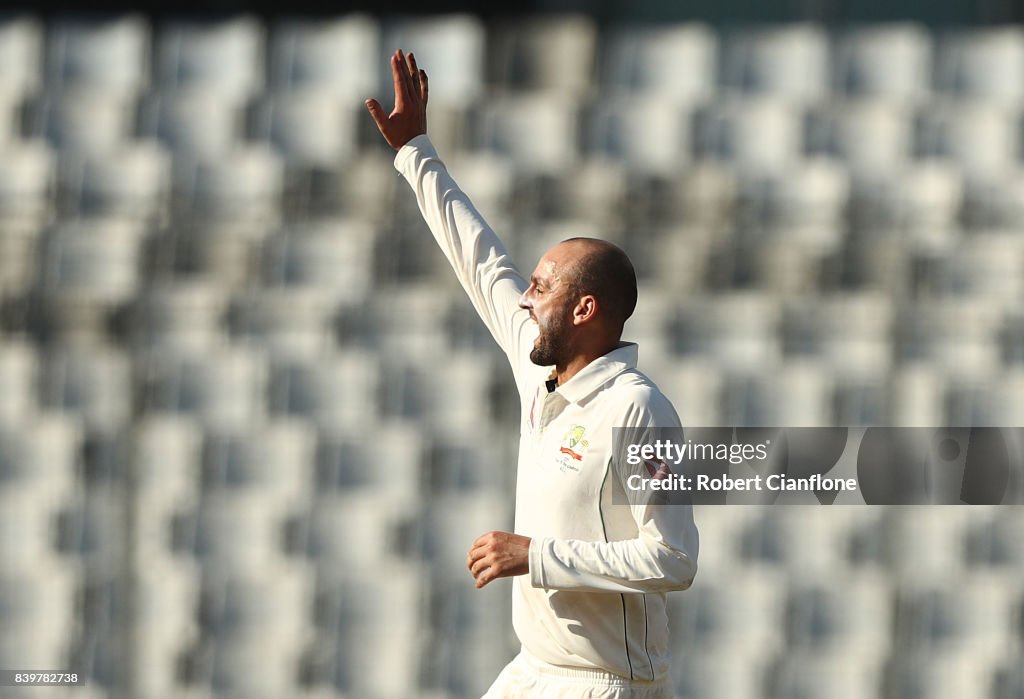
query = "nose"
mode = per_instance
[{"x": 525, "y": 303}]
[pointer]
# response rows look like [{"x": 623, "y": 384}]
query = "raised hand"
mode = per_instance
[{"x": 409, "y": 117}]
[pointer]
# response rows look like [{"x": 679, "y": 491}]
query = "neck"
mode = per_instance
[{"x": 567, "y": 370}]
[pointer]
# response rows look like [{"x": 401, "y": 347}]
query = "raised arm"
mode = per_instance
[{"x": 480, "y": 260}]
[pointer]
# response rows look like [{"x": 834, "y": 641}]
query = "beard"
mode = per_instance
[{"x": 551, "y": 347}]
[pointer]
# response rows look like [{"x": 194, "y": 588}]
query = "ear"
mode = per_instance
[{"x": 585, "y": 310}]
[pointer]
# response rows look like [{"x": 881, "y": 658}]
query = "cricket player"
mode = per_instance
[{"x": 590, "y": 566}]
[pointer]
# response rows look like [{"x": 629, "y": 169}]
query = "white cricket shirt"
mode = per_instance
[{"x": 599, "y": 569}]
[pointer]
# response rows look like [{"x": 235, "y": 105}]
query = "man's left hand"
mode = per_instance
[{"x": 498, "y": 555}]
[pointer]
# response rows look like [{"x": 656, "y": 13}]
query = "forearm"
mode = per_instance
[
  {"x": 633, "y": 565},
  {"x": 476, "y": 254}
]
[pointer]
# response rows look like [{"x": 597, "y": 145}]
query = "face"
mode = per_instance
[{"x": 550, "y": 303}]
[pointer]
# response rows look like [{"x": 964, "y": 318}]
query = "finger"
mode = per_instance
[
  {"x": 377, "y": 112},
  {"x": 414, "y": 80},
  {"x": 480, "y": 565},
  {"x": 423, "y": 86},
  {"x": 398, "y": 73},
  {"x": 403, "y": 63}
]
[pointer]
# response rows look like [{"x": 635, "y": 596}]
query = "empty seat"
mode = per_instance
[
  {"x": 736, "y": 330},
  {"x": 885, "y": 60},
  {"x": 94, "y": 261},
  {"x": 287, "y": 321},
  {"x": 39, "y": 460},
  {"x": 853, "y": 620},
  {"x": 36, "y": 608},
  {"x": 245, "y": 184},
  {"x": 644, "y": 60},
  {"x": 994, "y": 200},
  {"x": 453, "y": 523},
  {"x": 335, "y": 255},
  {"x": 416, "y": 389},
  {"x": 20, "y": 56},
  {"x": 29, "y": 526},
  {"x": 277, "y": 461},
  {"x": 180, "y": 315},
  {"x": 655, "y": 139},
  {"x": 794, "y": 394},
  {"x": 359, "y": 532},
  {"x": 871, "y": 135},
  {"x": 536, "y": 133},
  {"x": 110, "y": 56},
  {"x": 26, "y": 183},
  {"x": 223, "y": 57},
  {"x": 193, "y": 123},
  {"x": 552, "y": 53},
  {"x": 165, "y": 455},
  {"x": 755, "y": 133},
  {"x": 922, "y": 202},
  {"x": 349, "y": 459},
  {"x": 805, "y": 203},
  {"x": 985, "y": 265},
  {"x": 95, "y": 383},
  {"x": 19, "y": 369},
  {"x": 83, "y": 122},
  {"x": 332, "y": 389},
  {"x": 982, "y": 64},
  {"x": 166, "y": 601},
  {"x": 958, "y": 334},
  {"x": 224, "y": 388},
  {"x": 132, "y": 182},
  {"x": 788, "y": 61},
  {"x": 700, "y": 674},
  {"x": 310, "y": 129},
  {"x": 810, "y": 673},
  {"x": 981, "y": 138},
  {"x": 850, "y": 332},
  {"x": 234, "y": 533},
  {"x": 450, "y": 48},
  {"x": 937, "y": 675},
  {"x": 336, "y": 56}
]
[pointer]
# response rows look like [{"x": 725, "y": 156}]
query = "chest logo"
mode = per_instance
[{"x": 571, "y": 448}]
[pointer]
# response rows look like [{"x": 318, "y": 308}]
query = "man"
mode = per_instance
[{"x": 591, "y": 565}]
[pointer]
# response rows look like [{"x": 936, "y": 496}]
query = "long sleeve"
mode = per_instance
[
  {"x": 661, "y": 553},
  {"x": 480, "y": 260}
]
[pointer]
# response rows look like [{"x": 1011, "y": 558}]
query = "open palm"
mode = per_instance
[{"x": 409, "y": 117}]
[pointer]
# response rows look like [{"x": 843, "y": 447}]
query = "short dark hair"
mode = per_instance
[{"x": 604, "y": 271}]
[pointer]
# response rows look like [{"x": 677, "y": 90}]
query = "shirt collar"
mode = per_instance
[{"x": 599, "y": 372}]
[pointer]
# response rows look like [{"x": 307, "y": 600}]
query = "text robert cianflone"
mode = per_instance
[{"x": 775, "y": 482}]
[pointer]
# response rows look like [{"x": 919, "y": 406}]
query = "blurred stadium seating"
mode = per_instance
[{"x": 249, "y": 426}]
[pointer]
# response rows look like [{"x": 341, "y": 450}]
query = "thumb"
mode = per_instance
[{"x": 377, "y": 112}]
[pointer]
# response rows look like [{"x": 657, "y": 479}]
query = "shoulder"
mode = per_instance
[{"x": 638, "y": 400}]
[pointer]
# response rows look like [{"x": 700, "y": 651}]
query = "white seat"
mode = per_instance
[
  {"x": 19, "y": 370},
  {"x": 181, "y": 315},
  {"x": 310, "y": 129},
  {"x": 192, "y": 123},
  {"x": 655, "y": 139},
  {"x": 939, "y": 675},
  {"x": 707, "y": 675},
  {"x": 958, "y": 334},
  {"x": 885, "y": 60},
  {"x": 286, "y": 321},
  {"x": 234, "y": 533},
  {"x": 133, "y": 182},
  {"x": 920, "y": 203},
  {"x": 29, "y": 524},
  {"x": 981, "y": 138},
  {"x": 109, "y": 55},
  {"x": 754, "y": 133},
  {"x": 20, "y": 56},
  {"x": 643, "y": 60},
  {"x": 333, "y": 389},
  {"x": 790, "y": 61},
  {"x": 224, "y": 388},
  {"x": 851, "y": 620},
  {"x": 243, "y": 185},
  {"x": 26, "y": 182},
  {"x": 331, "y": 56},
  {"x": 986, "y": 265},
  {"x": 37, "y": 607},
  {"x": 535, "y": 132},
  {"x": 850, "y": 332},
  {"x": 277, "y": 461},
  {"x": 983, "y": 64},
  {"x": 450, "y": 48},
  {"x": 813, "y": 673},
  {"x": 83, "y": 122},
  {"x": 348, "y": 459},
  {"x": 95, "y": 261},
  {"x": 871, "y": 135},
  {"x": 95, "y": 383},
  {"x": 453, "y": 522},
  {"x": 736, "y": 330},
  {"x": 805, "y": 202},
  {"x": 40, "y": 459},
  {"x": 165, "y": 453},
  {"x": 333, "y": 255},
  {"x": 357, "y": 532},
  {"x": 994, "y": 200},
  {"x": 224, "y": 57},
  {"x": 553, "y": 53},
  {"x": 166, "y": 599}
]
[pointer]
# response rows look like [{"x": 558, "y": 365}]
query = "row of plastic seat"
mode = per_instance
[{"x": 562, "y": 53}]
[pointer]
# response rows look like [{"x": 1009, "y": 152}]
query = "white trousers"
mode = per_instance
[{"x": 528, "y": 678}]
